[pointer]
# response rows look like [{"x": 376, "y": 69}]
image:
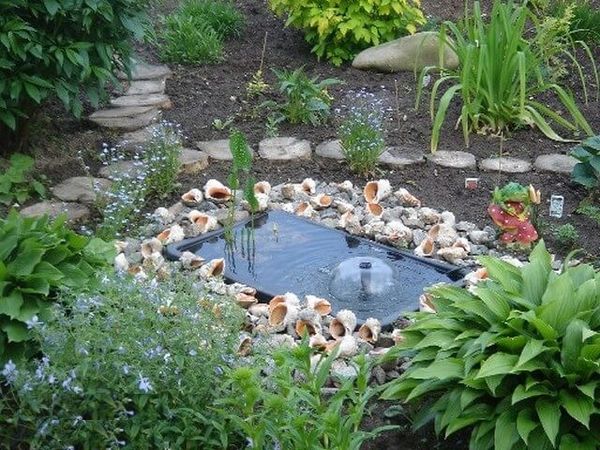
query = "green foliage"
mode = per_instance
[
  {"x": 589, "y": 210},
  {"x": 194, "y": 33},
  {"x": 361, "y": 138},
  {"x": 135, "y": 364},
  {"x": 37, "y": 257},
  {"x": 516, "y": 358},
  {"x": 161, "y": 158},
  {"x": 566, "y": 235},
  {"x": 289, "y": 410},
  {"x": 241, "y": 164},
  {"x": 585, "y": 18},
  {"x": 16, "y": 182},
  {"x": 499, "y": 77},
  {"x": 339, "y": 29},
  {"x": 587, "y": 171},
  {"x": 306, "y": 100},
  {"x": 62, "y": 48}
]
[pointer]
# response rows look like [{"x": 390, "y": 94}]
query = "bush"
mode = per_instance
[
  {"x": 221, "y": 16},
  {"x": 498, "y": 79},
  {"x": 37, "y": 258},
  {"x": 339, "y": 29},
  {"x": 566, "y": 235},
  {"x": 136, "y": 364},
  {"x": 516, "y": 357},
  {"x": 61, "y": 48},
  {"x": 587, "y": 171},
  {"x": 16, "y": 182}
]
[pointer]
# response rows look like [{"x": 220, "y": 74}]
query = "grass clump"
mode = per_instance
[{"x": 566, "y": 235}]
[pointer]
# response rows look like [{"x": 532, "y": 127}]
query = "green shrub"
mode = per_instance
[
  {"x": 587, "y": 171},
  {"x": 339, "y": 29},
  {"x": 566, "y": 235},
  {"x": 38, "y": 257},
  {"x": 61, "y": 48},
  {"x": 517, "y": 358},
  {"x": 135, "y": 364},
  {"x": 499, "y": 77},
  {"x": 586, "y": 208},
  {"x": 162, "y": 159},
  {"x": 585, "y": 21},
  {"x": 221, "y": 16},
  {"x": 16, "y": 183}
]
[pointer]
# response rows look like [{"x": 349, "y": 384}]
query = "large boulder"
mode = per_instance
[{"x": 406, "y": 54}]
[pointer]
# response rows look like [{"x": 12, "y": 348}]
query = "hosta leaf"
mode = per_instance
[
  {"x": 533, "y": 348},
  {"x": 578, "y": 406},
  {"x": 24, "y": 262},
  {"x": 526, "y": 423},
  {"x": 497, "y": 364},
  {"x": 15, "y": 331},
  {"x": 556, "y": 310},
  {"x": 48, "y": 271},
  {"x": 36, "y": 285},
  {"x": 548, "y": 412},
  {"x": 441, "y": 370},
  {"x": 572, "y": 344},
  {"x": 495, "y": 301},
  {"x": 439, "y": 338},
  {"x": 10, "y": 305},
  {"x": 589, "y": 389},
  {"x": 504, "y": 273},
  {"x": 535, "y": 274},
  {"x": 505, "y": 433}
]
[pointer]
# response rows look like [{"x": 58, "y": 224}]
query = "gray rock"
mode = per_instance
[
  {"x": 555, "y": 162},
  {"x": 378, "y": 374},
  {"x": 284, "y": 149},
  {"x": 135, "y": 139},
  {"x": 330, "y": 223},
  {"x": 342, "y": 370},
  {"x": 143, "y": 71},
  {"x": 418, "y": 236},
  {"x": 453, "y": 159},
  {"x": 121, "y": 168},
  {"x": 192, "y": 161},
  {"x": 146, "y": 87},
  {"x": 330, "y": 149},
  {"x": 222, "y": 215},
  {"x": 406, "y": 54},
  {"x": 80, "y": 189},
  {"x": 401, "y": 156},
  {"x": 217, "y": 149},
  {"x": 157, "y": 100},
  {"x": 480, "y": 237},
  {"x": 465, "y": 226},
  {"x": 477, "y": 250},
  {"x": 128, "y": 118},
  {"x": 505, "y": 164},
  {"x": 329, "y": 213},
  {"x": 75, "y": 212}
]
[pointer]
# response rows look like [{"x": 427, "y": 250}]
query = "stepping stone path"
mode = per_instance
[
  {"x": 157, "y": 100},
  {"x": 127, "y": 118},
  {"x": 80, "y": 189},
  {"x": 192, "y": 162},
  {"x": 75, "y": 212},
  {"x": 284, "y": 149},
  {"x": 555, "y": 162},
  {"x": 453, "y": 159},
  {"x": 330, "y": 149},
  {"x": 505, "y": 164},
  {"x": 400, "y": 157},
  {"x": 218, "y": 149},
  {"x": 134, "y": 139}
]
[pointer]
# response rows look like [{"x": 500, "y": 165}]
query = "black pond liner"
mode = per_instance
[{"x": 278, "y": 252}]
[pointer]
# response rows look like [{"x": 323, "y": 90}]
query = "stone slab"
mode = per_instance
[
  {"x": 217, "y": 149},
  {"x": 401, "y": 156},
  {"x": 144, "y": 71},
  {"x": 505, "y": 164},
  {"x": 330, "y": 149},
  {"x": 75, "y": 211},
  {"x": 193, "y": 161},
  {"x": 284, "y": 149},
  {"x": 80, "y": 189},
  {"x": 135, "y": 139},
  {"x": 157, "y": 100},
  {"x": 128, "y": 118},
  {"x": 117, "y": 169},
  {"x": 453, "y": 159},
  {"x": 146, "y": 87},
  {"x": 555, "y": 162}
]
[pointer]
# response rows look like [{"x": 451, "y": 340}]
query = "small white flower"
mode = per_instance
[
  {"x": 10, "y": 372},
  {"x": 34, "y": 322},
  {"x": 144, "y": 384}
]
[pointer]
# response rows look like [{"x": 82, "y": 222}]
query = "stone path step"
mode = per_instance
[
  {"x": 555, "y": 162},
  {"x": 76, "y": 212},
  {"x": 157, "y": 100},
  {"x": 144, "y": 71},
  {"x": 506, "y": 164},
  {"x": 128, "y": 118},
  {"x": 147, "y": 87},
  {"x": 80, "y": 189},
  {"x": 453, "y": 159},
  {"x": 284, "y": 149},
  {"x": 192, "y": 162}
]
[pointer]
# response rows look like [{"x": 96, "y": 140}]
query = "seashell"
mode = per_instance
[
  {"x": 429, "y": 216},
  {"x": 172, "y": 234},
  {"x": 425, "y": 304},
  {"x": 261, "y": 199},
  {"x": 215, "y": 190},
  {"x": 213, "y": 268},
  {"x": 245, "y": 300},
  {"x": 462, "y": 243},
  {"x": 305, "y": 326},
  {"x": 406, "y": 198},
  {"x": 448, "y": 218},
  {"x": 317, "y": 341},
  {"x": 137, "y": 272},
  {"x": 452, "y": 254},
  {"x": 192, "y": 197},
  {"x": 347, "y": 347},
  {"x": 277, "y": 314},
  {"x": 121, "y": 246},
  {"x": 343, "y": 207},
  {"x": 425, "y": 248},
  {"x": 350, "y": 223},
  {"x": 288, "y": 207},
  {"x": 308, "y": 185},
  {"x": 191, "y": 261},
  {"x": 154, "y": 261},
  {"x": 374, "y": 209},
  {"x": 369, "y": 331},
  {"x": 397, "y": 336},
  {"x": 259, "y": 310},
  {"x": 321, "y": 201},
  {"x": 121, "y": 264},
  {"x": 150, "y": 246},
  {"x": 445, "y": 235},
  {"x": 262, "y": 187},
  {"x": 397, "y": 231},
  {"x": 202, "y": 221},
  {"x": 245, "y": 346},
  {"x": 303, "y": 209},
  {"x": 472, "y": 278},
  {"x": 278, "y": 299},
  {"x": 344, "y": 323},
  {"x": 288, "y": 191},
  {"x": 320, "y": 305},
  {"x": 163, "y": 215},
  {"x": 375, "y": 191},
  {"x": 345, "y": 186}
]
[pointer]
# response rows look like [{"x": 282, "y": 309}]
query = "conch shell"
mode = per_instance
[
  {"x": 213, "y": 268},
  {"x": 407, "y": 199},
  {"x": 308, "y": 185},
  {"x": 320, "y": 305},
  {"x": 452, "y": 254},
  {"x": 304, "y": 209},
  {"x": 443, "y": 234},
  {"x": 344, "y": 323},
  {"x": 317, "y": 341},
  {"x": 321, "y": 201},
  {"x": 190, "y": 260},
  {"x": 215, "y": 190},
  {"x": 426, "y": 247},
  {"x": 244, "y": 346},
  {"x": 259, "y": 310},
  {"x": 203, "y": 221},
  {"x": 426, "y": 304},
  {"x": 172, "y": 234},
  {"x": 282, "y": 308},
  {"x": 121, "y": 263},
  {"x": 150, "y": 246},
  {"x": 375, "y": 191},
  {"x": 245, "y": 300},
  {"x": 192, "y": 197},
  {"x": 397, "y": 336},
  {"x": 370, "y": 330},
  {"x": 348, "y": 346},
  {"x": 374, "y": 209},
  {"x": 308, "y": 320},
  {"x": 262, "y": 187}
]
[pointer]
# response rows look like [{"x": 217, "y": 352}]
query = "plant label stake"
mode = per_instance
[
  {"x": 557, "y": 203},
  {"x": 471, "y": 183}
]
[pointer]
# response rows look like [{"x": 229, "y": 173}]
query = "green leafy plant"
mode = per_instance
[
  {"x": 566, "y": 235},
  {"x": 289, "y": 410},
  {"x": 587, "y": 209},
  {"x": 339, "y": 29},
  {"x": 585, "y": 18},
  {"x": 162, "y": 159},
  {"x": 61, "y": 48},
  {"x": 140, "y": 373},
  {"x": 221, "y": 16},
  {"x": 516, "y": 357},
  {"x": 587, "y": 171},
  {"x": 16, "y": 183},
  {"x": 37, "y": 258},
  {"x": 498, "y": 79},
  {"x": 361, "y": 138},
  {"x": 306, "y": 100}
]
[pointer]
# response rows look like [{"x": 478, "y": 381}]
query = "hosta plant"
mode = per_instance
[
  {"x": 37, "y": 258},
  {"x": 516, "y": 358},
  {"x": 16, "y": 182},
  {"x": 587, "y": 171}
]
